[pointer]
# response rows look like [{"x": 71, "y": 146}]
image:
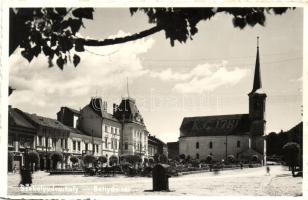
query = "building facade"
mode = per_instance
[
  {"x": 92, "y": 130},
  {"x": 156, "y": 146},
  {"x": 173, "y": 150},
  {"x": 240, "y": 135},
  {"x": 21, "y": 136}
]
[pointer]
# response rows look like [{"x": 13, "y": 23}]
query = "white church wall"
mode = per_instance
[{"x": 187, "y": 146}]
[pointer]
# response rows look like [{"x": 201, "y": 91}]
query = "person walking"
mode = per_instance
[
  {"x": 14, "y": 169},
  {"x": 268, "y": 170}
]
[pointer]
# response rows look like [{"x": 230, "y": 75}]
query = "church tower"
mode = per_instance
[{"x": 257, "y": 99}]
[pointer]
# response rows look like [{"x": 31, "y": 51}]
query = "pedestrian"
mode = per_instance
[
  {"x": 268, "y": 170},
  {"x": 14, "y": 169}
]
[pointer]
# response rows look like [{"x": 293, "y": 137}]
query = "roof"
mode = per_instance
[
  {"x": 218, "y": 125},
  {"x": 155, "y": 140},
  {"x": 128, "y": 109},
  {"x": 18, "y": 119},
  {"x": 96, "y": 105},
  {"x": 73, "y": 110},
  {"x": 79, "y": 134},
  {"x": 46, "y": 122}
]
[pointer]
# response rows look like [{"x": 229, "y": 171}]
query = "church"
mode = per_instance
[{"x": 239, "y": 135}]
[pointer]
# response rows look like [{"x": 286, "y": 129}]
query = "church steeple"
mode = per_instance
[{"x": 257, "y": 84}]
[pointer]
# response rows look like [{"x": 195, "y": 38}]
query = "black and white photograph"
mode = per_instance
[{"x": 155, "y": 101}]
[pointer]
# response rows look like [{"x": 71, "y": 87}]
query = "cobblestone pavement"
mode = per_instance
[{"x": 251, "y": 181}]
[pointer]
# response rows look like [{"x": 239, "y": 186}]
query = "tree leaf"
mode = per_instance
[
  {"x": 36, "y": 50},
  {"x": 79, "y": 45},
  {"x": 61, "y": 11},
  {"x": 76, "y": 60},
  {"x": 75, "y": 25},
  {"x": 83, "y": 13},
  {"x": 27, "y": 54},
  {"x": 60, "y": 62}
]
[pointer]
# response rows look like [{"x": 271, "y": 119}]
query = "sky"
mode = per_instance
[{"x": 209, "y": 75}]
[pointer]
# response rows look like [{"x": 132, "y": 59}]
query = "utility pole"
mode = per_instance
[
  {"x": 226, "y": 147},
  {"x": 93, "y": 148}
]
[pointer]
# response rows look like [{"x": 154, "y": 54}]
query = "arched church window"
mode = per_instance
[
  {"x": 197, "y": 145},
  {"x": 211, "y": 145},
  {"x": 197, "y": 156},
  {"x": 238, "y": 144}
]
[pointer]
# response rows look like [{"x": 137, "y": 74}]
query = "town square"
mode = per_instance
[{"x": 155, "y": 101}]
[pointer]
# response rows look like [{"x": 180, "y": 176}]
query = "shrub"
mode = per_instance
[
  {"x": 209, "y": 159},
  {"x": 231, "y": 159},
  {"x": 89, "y": 159},
  {"x": 113, "y": 160},
  {"x": 56, "y": 157},
  {"x": 291, "y": 155},
  {"x": 254, "y": 158},
  {"x": 182, "y": 156},
  {"x": 74, "y": 159},
  {"x": 102, "y": 159}
]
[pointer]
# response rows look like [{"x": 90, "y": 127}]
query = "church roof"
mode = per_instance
[
  {"x": 218, "y": 125},
  {"x": 257, "y": 83}
]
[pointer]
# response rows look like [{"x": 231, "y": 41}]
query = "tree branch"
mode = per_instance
[{"x": 106, "y": 42}]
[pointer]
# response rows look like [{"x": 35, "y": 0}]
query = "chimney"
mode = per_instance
[
  {"x": 104, "y": 106},
  {"x": 114, "y": 108}
]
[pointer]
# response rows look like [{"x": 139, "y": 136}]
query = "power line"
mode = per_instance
[
  {"x": 239, "y": 64},
  {"x": 225, "y": 58}
]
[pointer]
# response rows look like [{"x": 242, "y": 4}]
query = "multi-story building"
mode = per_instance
[
  {"x": 134, "y": 135},
  {"x": 156, "y": 146},
  {"x": 95, "y": 121},
  {"x": 21, "y": 136},
  {"x": 92, "y": 130}
]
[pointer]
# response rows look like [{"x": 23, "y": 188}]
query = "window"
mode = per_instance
[
  {"x": 111, "y": 129},
  {"x": 111, "y": 143},
  {"x": 106, "y": 142},
  {"x": 197, "y": 145},
  {"x": 126, "y": 145},
  {"x": 61, "y": 142},
  {"x": 197, "y": 156},
  {"x": 115, "y": 144},
  {"x": 78, "y": 145},
  {"x": 86, "y": 146},
  {"x": 116, "y": 131},
  {"x": 65, "y": 140},
  {"x": 211, "y": 145},
  {"x": 74, "y": 145},
  {"x": 97, "y": 148},
  {"x": 54, "y": 140},
  {"x": 106, "y": 128},
  {"x": 47, "y": 142},
  {"x": 238, "y": 144},
  {"x": 40, "y": 143}
]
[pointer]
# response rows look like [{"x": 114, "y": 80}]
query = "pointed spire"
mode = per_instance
[{"x": 257, "y": 84}]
